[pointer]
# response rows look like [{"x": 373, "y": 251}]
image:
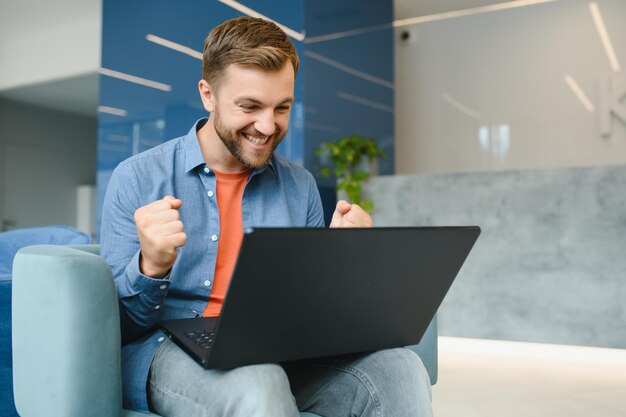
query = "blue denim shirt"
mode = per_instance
[{"x": 281, "y": 195}]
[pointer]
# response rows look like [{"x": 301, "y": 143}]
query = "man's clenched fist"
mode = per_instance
[
  {"x": 160, "y": 232},
  {"x": 350, "y": 215}
]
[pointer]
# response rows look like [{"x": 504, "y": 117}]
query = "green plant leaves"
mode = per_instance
[{"x": 346, "y": 155}]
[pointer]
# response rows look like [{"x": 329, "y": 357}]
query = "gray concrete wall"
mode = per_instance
[{"x": 550, "y": 265}]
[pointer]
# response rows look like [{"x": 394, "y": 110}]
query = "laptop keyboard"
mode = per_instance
[{"x": 202, "y": 338}]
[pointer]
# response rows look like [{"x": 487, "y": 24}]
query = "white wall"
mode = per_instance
[
  {"x": 44, "y": 156},
  {"x": 507, "y": 68},
  {"x": 43, "y": 40}
]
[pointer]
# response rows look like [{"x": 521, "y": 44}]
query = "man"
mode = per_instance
[{"x": 172, "y": 224}]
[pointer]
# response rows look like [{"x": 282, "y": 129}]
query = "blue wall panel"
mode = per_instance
[
  {"x": 348, "y": 81},
  {"x": 148, "y": 116}
]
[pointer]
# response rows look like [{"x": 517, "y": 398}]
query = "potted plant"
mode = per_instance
[{"x": 352, "y": 157}]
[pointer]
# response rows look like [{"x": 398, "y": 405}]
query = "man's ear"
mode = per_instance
[{"x": 206, "y": 95}]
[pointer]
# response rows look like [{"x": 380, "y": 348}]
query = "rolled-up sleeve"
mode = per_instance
[{"x": 140, "y": 297}]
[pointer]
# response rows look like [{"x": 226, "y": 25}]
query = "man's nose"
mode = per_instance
[{"x": 265, "y": 124}]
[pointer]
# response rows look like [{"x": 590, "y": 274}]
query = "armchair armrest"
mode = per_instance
[{"x": 66, "y": 333}]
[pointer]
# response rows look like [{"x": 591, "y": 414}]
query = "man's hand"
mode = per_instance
[
  {"x": 350, "y": 215},
  {"x": 160, "y": 233}
]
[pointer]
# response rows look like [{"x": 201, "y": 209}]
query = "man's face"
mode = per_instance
[{"x": 251, "y": 112}]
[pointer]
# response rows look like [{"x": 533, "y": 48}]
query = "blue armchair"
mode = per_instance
[
  {"x": 66, "y": 334},
  {"x": 10, "y": 243}
]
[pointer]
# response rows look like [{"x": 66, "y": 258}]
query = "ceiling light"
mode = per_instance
[
  {"x": 136, "y": 80},
  {"x": 173, "y": 45},
  {"x": 467, "y": 12},
  {"x": 365, "y": 102},
  {"x": 346, "y": 33},
  {"x": 461, "y": 107},
  {"x": 579, "y": 92},
  {"x": 113, "y": 111},
  {"x": 253, "y": 13},
  {"x": 604, "y": 35},
  {"x": 349, "y": 70}
]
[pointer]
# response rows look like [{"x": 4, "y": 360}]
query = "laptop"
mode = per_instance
[{"x": 300, "y": 293}]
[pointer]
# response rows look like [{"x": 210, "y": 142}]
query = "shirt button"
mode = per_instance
[
  {"x": 160, "y": 339},
  {"x": 163, "y": 287},
  {"x": 210, "y": 193},
  {"x": 207, "y": 170},
  {"x": 214, "y": 238},
  {"x": 156, "y": 307},
  {"x": 207, "y": 283}
]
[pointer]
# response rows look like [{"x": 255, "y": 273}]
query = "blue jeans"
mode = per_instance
[{"x": 390, "y": 382}]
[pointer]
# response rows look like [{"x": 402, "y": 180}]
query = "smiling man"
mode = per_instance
[
  {"x": 172, "y": 224},
  {"x": 249, "y": 129}
]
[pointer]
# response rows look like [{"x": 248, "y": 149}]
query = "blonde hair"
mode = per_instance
[{"x": 246, "y": 41}]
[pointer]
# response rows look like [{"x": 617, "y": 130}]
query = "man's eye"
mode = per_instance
[
  {"x": 282, "y": 108},
  {"x": 247, "y": 107}
]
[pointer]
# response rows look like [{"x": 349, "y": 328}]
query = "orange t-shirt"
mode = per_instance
[{"x": 229, "y": 192}]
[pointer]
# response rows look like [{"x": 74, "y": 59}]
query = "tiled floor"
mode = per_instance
[{"x": 495, "y": 378}]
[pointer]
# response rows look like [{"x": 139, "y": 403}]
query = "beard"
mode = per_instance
[{"x": 233, "y": 142}]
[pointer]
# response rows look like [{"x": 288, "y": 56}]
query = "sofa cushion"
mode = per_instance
[{"x": 14, "y": 240}]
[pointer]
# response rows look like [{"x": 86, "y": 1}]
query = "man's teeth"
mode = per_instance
[{"x": 256, "y": 140}]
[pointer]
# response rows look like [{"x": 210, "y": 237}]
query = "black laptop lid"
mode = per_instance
[{"x": 302, "y": 293}]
